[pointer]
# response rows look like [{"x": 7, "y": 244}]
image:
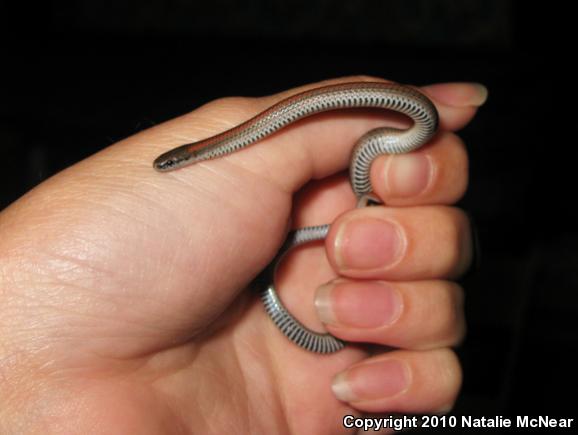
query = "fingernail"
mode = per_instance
[
  {"x": 408, "y": 174},
  {"x": 480, "y": 95},
  {"x": 358, "y": 305},
  {"x": 445, "y": 409},
  {"x": 458, "y": 94},
  {"x": 368, "y": 243},
  {"x": 372, "y": 381},
  {"x": 324, "y": 304}
]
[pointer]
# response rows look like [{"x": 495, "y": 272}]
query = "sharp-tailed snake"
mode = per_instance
[{"x": 374, "y": 143}]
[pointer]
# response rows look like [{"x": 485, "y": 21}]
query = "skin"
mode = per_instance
[{"x": 124, "y": 305}]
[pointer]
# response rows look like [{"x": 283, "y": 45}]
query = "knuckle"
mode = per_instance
[
  {"x": 242, "y": 103},
  {"x": 228, "y": 111}
]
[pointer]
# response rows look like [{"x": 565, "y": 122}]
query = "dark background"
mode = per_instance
[{"x": 79, "y": 76}]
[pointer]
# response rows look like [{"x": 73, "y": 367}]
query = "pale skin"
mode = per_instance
[{"x": 124, "y": 305}]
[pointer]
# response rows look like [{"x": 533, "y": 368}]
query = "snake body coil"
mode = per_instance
[{"x": 374, "y": 143}]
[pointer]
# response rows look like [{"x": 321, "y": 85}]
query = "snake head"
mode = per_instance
[{"x": 172, "y": 159}]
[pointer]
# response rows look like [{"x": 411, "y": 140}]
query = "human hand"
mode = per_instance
[{"x": 122, "y": 305}]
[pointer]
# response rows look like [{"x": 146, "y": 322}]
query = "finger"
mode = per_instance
[
  {"x": 402, "y": 381},
  {"x": 435, "y": 174},
  {"x": 456, "y": 101},
  {"x": 409, "y": 243},
  {"x": 411, "y": 315}
]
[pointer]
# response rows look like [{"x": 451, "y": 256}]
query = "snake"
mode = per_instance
[{"x": 383, "y": 140}]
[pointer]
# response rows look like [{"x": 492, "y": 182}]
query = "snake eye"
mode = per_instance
[{"x": 163, "y": 164}]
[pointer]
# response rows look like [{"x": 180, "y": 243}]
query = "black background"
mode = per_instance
[{"x": 79, "y": 76}]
